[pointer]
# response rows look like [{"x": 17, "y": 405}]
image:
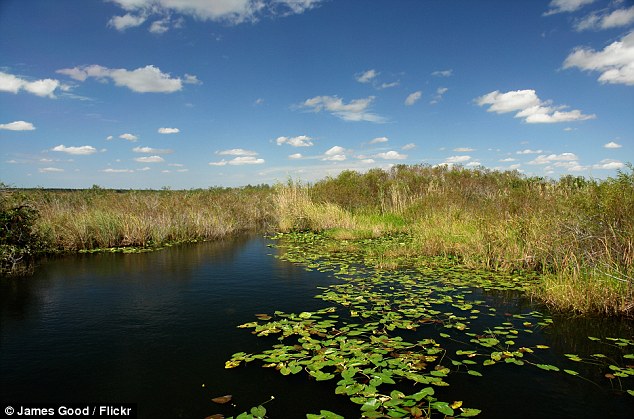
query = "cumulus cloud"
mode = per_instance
[
  {"x": 111, "y": 170},
  {"x": 355, "y": 110},
  {"x": 238, "y": 161},
  {"x": 408, "y": 146},
  {"x": 299, "y": 141},
  {"x": 463, "y": 149},
  {"x": 128, "y": 136},
  {"x": 230, "y": 11},
  {"x": 530, "y": 107},
  {"x": 336, "y": 153},
  {"x": 150, "y": 150},
  {"x": 121, "y": 23},
  {"x": 507, "y": 160},
  {"x": 366, "y": 76},
  {"x": 457, "y": 159},
  {"x": 379, "y": 140},
  {"x": 566, "y": 6},
  {"x": 615, "y": 62},
  {"x": 150, "y": 159},
  {"x": 295, "y": 156},
  {"x": 604, "y": 20},
  {"x": 612, "y": 144},
  {"x": 546, "y": 159},
  {"x": 168, "y": 130},
  {"x": 148, "y": 79},
  {"x": 529, "y": 151},
  {"x": 18, "y": 126},
  {"x": 413, "y": 97},
  {"x": 237, "y": 152},
  {"x": 43, "y": 88},
  {"x": 390, "y": 155},
  {"x": 608, "y": 164},
  {"x": 83, "y": 150},
  {"x": 50, "y": 170},
  {"x": 442, "y": 73}
]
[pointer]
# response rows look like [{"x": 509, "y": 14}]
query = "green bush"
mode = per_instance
[{"x": 19, "y": 242}]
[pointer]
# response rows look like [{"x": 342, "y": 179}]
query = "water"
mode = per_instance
[{"x": 153, "y": 328}]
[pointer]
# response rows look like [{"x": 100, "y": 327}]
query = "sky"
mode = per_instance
[{"x": 147, "y": 94}]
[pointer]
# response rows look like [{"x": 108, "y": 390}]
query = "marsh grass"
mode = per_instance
[
  {"x": 95, "y": 219},
  {"x": 577, "y": 233}
]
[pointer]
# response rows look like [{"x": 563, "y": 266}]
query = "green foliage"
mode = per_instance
[{"x": 19, "y": 242}]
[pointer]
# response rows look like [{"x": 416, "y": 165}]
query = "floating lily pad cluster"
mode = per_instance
[{"x": 389, "y": 338}]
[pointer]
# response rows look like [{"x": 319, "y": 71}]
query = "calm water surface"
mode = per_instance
[{"x": 153, "y": 328}]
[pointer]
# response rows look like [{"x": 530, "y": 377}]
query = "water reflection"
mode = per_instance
[{"x": 152, "y": 328}]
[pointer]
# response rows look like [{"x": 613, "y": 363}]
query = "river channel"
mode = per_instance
[{"x": 156, "y": 328}]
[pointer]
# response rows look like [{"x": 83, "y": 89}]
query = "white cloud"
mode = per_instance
[
  {"x": 529, "y": 151},
  {"x": 111, "y": 170},
  {"x": 168, "y": 130},
  {"x": 150, "y": 159},
  {"x": 295, "y": 156},
  {"x": 336, "y": 153},
  {"x": 615, "y": 62},
  {"x": 387, "y": 85},
  {"x": 608, "y": 164},
  {"x": 299, "y": 141},
  {"x": 150, "y": 150},
  {"x": 366, "y": 76},
  {"x": 245, "y": 160},
  {"x": 408, "y": 146},
  {"x": 566, "y": 6},
  {"x": 507, "y": 160},
  {"x": 413, "y": 98},
  {"x": 612, "y": 144},
  {"x": 160, "y": 26},
  {"x": 50, "y": 170},
  {"x": 148, "y": 79},
  {"x": 83, "y": 150},
  {"x": 43, "y": 88},
  {"x": 121, "y": 23},
  {"x": 439, "y": 94},
  {"x": 378, "y": 140},
  {"x": 231, "y": 11},
  {"x": 617, "y": 18},
  {"x": 368, "y": 161},
  {"x": 529, "y": 107},
  {"x": 391, "y": 155},
  {"x": 463, "y": 149},
  {"x": 442, "y": 73},
  {"x": 18, "y": 126},
  {"x": 237, "y": 152},
  {"x": 356, "y": 110},
  {"x": 129, "y": 137},
  {"x": 546, "y": 159},
  {"x": 238, "y": 161},
  {"x": 457, "y": 159}
]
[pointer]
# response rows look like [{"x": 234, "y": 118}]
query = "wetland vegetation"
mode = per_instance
[
  {"x": 576, "y": 233},
  {"x": 426, "y": 259}
]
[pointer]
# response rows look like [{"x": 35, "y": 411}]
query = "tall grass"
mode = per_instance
[
  {"x": 577, "y": 233},
  {"x": 98, "y": 218}
]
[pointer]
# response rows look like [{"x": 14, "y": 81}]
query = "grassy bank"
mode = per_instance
[
  {"x": 82, "y": 220},
  {"x": 577, "y": 233}
]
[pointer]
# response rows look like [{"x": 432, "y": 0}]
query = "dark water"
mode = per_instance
[{"x": 153, "y": 328}]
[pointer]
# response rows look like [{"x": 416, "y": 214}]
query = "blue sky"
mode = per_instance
[{"x": 199, "y": 93}]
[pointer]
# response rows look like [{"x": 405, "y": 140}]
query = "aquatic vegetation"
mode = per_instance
[
  {"x": 577, "y": 233},
  {"x": 388, "y": 339}
]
